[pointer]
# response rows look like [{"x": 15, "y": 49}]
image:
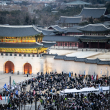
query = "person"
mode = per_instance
[
  {"x": 32, "y": 74},
  {"x": 75, "y": 74},
  {"x": 27, "y": 74},
  {"x": 39, "y": 108},
  {"x": 18, "y": 73}
]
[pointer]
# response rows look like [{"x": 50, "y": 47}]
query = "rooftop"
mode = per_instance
[
  {"x": 57, "y": 28},
  {"x": 18, "y": 31},
  {"x": 47, "y": 31},
  {"x": 72, "y": 29},
  {"x": 20, "y": 45},
  {"x": 94, "y": 28},
  {"x": 92, "y": 12},
  {"x": 70, "y": 19},
  {"x": 108, "y": 16},
  {"x": 60, "y": 38}
]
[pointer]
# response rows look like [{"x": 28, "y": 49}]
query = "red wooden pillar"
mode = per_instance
[
  {"x": 74, "y": 44},
  {"x": 69, "y": 44},
  {"x": 77, "y": 44},
  {"x": 57, "y": 43},
  {"x": 64, "y": 44}
]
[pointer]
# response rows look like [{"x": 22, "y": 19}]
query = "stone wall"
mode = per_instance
[
  {"x": 19, "y": 62},
  {"x": 49, "y": 64},
  {"x": 75, "y": 67}
]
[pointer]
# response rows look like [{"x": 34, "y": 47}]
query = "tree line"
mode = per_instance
[
  {"x": 44, "y": 17},
  {"x": 16, "y": 17}
]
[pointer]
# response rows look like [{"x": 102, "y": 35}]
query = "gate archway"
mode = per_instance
[
  {"x": 27, "y": 68},
  {"x": 9, "y": 67}
]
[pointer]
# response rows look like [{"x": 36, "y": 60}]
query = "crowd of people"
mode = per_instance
[{"x": 46, "y": 88}]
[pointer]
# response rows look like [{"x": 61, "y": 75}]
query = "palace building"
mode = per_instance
[
  {"x": 21, "y": 39},
  {"x": 89, "y": 36},
  {"x": 18, "y": 46},
  {"x": 23, "y": 48},
  {"x": 94, "y": 36},
  {"x": 69, "y": 21},
  {"x": 92, "y": 12}
]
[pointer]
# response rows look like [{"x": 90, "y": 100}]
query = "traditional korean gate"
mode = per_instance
[
  {"x": 9, "y": 67},
  {"x": 27, "y": 68}
]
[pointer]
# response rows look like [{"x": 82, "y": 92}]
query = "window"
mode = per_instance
[
  {"x": 28, "y": 55},
  {"x": 33, "y": 55}
]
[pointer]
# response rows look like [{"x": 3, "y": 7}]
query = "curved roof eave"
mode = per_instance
[
  {"x": 20, "y": 45},
  {"x": 18, "y": 31},
  {"x": 82, "y": 28}
]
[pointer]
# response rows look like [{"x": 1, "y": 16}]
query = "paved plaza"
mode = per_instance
[{"x": 4, "y": 78}]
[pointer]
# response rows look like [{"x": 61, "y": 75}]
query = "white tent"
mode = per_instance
[{"x": 86, "y": 89}]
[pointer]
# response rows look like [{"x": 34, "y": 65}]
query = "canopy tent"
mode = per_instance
[{"x": 86, "y": 89}]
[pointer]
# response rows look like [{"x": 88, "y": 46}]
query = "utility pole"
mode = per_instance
[{"x": 10, "y": 82}]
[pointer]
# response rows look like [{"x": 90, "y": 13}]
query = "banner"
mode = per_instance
[
  {"x": 0, "y": 97},
  {"x": 5, "y": 87},
  {"x": 14, "y": 83},
  {"x": 69, "y": 74}
]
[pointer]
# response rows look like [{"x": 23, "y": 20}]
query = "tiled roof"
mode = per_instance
[
  {"x": 48, "y": 44},
  {"x": 94, "y": 28},
  {"x": 70, "y": 20},
  {"x": 46, "y": 31},
  {"x": 92, "y": 61},
  {"x": 60, "y": 38},
  {"x": 93, "y": 38},
  {"x": 92, "y": 12},
  {"x": 72, "y": 29},
  {"x": 108, "y": 16},
  {"x": 60, "y": 57},
  {"x": 57, "y": 28},
  {"x": 20, "y": 45},
  {"x": 44, "y": 54},
  {"x": 18, "y": 31}
]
